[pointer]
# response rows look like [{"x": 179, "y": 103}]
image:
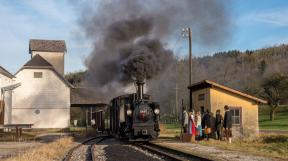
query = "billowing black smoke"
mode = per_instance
[
  {"x": 130, "y": 37},
  {"x": 144, "y": 59}
]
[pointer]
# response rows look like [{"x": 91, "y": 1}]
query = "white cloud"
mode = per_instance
[
  {"x": 23, "y": 20},
  {"x": 52, "y": 9},
  {"x": 277, "y": 17}
]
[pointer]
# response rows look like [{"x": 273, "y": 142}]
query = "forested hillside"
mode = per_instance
[{"x": 244, "y": 71}]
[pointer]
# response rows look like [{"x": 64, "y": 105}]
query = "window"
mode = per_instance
[
  {"x": 201, "y": 97},
  {"x": 38, "y": 74},
  {"x": 236, "y": 115}
]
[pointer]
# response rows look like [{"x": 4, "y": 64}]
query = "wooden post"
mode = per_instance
[
  {"x": 86, "y": 115},
  {"x": 90, "y": 116},
  {"x": 20, "y": 132},
  {"x": 17, "y": 133},
  {"x": 182, "y": 122}
]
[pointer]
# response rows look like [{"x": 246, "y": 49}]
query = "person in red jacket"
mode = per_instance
[{"x": 192, "y": 124}]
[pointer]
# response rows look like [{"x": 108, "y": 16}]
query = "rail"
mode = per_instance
[
  {"x": 170, "y": 154},
  {"x": 71, "y": 151}
]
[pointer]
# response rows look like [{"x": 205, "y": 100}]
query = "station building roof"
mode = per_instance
[
  {"x": 85, "y": 97},
  {"x": 211, "y": 84}
]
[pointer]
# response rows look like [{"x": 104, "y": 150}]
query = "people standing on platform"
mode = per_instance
[
  {"x": 185, "y": 121},
  {"x": 212, "y": 124},
  {"x": 192, "y": 125},
  {"x": 218, "y": 125},
  {"x": 207, "y": 124},
  {"x": 198, "y": 125},
  {"x": 227, "y": 124},
  {"x": 203, "y": 125}
]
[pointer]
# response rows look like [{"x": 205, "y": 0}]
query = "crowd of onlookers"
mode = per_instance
[{"x": 205, "y": 125}]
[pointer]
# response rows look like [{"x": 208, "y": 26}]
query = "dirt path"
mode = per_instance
[{"x": 11, "y": 148}]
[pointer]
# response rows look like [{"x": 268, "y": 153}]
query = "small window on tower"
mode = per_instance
[{"x": 38, "y": 74}]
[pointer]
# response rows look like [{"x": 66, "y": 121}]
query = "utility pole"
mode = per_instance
[
  {"x": 176, "y": 90},
  {"x": 188, "y": 34}
]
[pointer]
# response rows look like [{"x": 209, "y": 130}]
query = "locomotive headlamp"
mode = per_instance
[
  {"x": 157, "y": 111},
  {"x": 129, "y": 112}
]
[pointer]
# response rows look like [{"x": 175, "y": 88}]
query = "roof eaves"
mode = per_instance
[
  {"x": 7, "y": 73},
  {"x": 63, "y": 79},
  {"x": 230, "y": 90}
]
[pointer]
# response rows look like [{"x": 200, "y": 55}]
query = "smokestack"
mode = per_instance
[{"x": 140, "y": 89}]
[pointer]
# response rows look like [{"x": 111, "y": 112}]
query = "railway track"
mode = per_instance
[
  {"x": 169, "y": 154},
  {"x": 99, "y": 139},
  {"x": 118, "y": 145}
]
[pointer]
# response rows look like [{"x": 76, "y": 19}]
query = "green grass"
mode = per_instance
[
  {"x": 280, "y": 122},
  {"x": 172, "y": 126},
  {"x": 265, "y": 145}
]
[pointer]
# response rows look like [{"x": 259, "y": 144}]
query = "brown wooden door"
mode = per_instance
[{"x": 2, "y": 112}]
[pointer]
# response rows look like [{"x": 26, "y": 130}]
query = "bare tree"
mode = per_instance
[{"x": 275, "y": 90}]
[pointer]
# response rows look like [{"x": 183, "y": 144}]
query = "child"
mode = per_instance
[{"x": 198, "y": 125}]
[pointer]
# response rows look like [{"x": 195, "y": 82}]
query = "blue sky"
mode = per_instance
[{"x": 257, "y": 24}]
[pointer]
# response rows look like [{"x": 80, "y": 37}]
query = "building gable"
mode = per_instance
[{"x": 38, "y": 62}]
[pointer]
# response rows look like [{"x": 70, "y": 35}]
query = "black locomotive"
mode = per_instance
[{"x": 132, "y": 116}]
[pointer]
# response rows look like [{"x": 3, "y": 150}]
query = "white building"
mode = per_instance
[
  {"x": 6, "y": 79},
  {"x": 43, "y": 98}
]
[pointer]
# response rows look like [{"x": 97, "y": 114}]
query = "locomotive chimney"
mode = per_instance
[{"x": 140, "y": 87}]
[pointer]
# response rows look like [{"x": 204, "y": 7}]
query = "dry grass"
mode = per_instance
[
  {"x": 52, "y": 151},
  {"x": 80, "y": 133},
  {"x": 265, "y": 145},
  {"x": 27, "y": 134},
  {"x": 165, "y": 131},
  {"x": 11, "y": 136}
]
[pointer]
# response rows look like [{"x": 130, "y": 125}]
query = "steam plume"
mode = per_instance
[{"x": 130, "y": 36}]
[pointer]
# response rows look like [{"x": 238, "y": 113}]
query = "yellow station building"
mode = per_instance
[{"x": 212, "y": 96}]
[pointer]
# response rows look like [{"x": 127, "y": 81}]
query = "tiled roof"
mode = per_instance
[
  {"x": 85, "y": 96},
  {"x": 209, "y": 83},
  {"x": 37, "y": 60},
  {"x": 47, "y": 45}
]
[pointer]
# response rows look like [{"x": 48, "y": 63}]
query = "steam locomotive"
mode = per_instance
[{"x": 132, "y": 116}]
